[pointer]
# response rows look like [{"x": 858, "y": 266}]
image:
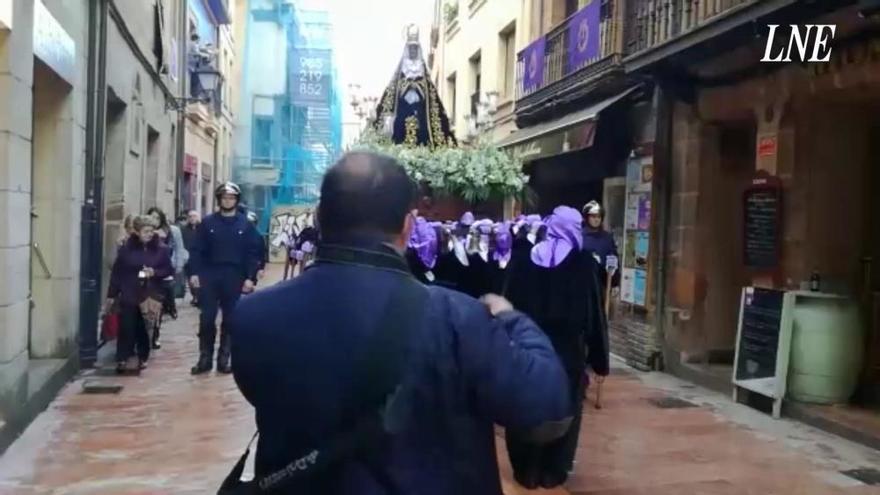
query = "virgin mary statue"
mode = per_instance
[{"x": 410, "y": 110}]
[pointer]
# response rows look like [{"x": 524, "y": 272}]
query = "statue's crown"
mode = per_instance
[{"x": 412, "y": 34}]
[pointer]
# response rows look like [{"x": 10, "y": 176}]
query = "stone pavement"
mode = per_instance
[{"x": 167, "y": 432}]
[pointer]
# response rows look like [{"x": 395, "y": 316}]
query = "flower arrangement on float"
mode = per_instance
[{"x": 478, "y": 172}]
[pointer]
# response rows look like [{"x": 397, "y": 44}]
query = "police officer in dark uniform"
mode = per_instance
[
  {"x": 225, "y": 262},
  {"x": 600, "y": 243}
]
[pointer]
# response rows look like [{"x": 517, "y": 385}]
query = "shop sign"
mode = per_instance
[
  {"x": 576, "y": 138},
  {"x": 263, "y": 176},
  {"x": 767, "y": 146},
  {"x": 5, "y": 15},
  {"x": 763, "y": 343},
  {"x": 311, "y": 77},
  {"x": 52, "y": 44},
  {"x": 190, "y": 164},
  {"x": 762, "y": 214}
]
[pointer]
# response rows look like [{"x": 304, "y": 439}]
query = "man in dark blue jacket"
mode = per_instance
[
  {"x": 225, "y": 262},
  {"x": 469, "y": 365}
]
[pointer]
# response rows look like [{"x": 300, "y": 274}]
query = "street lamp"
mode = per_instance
[
  {"x": 364, "y": 106},
  {"x": 209, "y": 81}
]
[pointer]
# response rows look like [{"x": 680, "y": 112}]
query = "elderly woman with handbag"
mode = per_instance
[{"x": 136, "y": 289}]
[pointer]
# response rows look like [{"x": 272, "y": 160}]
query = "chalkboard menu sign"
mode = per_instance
[
  {"x": 763, "y": 223},
  {"x": 759, "y": 333}
]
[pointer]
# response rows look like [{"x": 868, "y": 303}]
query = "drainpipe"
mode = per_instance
[
  {"x": 182, "y": 72},
  {"x": 91, "y": 245},
  {"x": 663, "y": 163}
]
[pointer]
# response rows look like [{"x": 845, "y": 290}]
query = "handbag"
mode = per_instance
[
  {"x": 110, "y": 326},
  {"x": 151, "y": 311},
  {"x": 381, "y": 368}
]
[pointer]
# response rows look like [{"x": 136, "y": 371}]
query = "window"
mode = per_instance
[
  {"x": 507, "y": 60},
  {"x": 476, "y": 74},
  {"x": 450, "y": 90},
  {"x": 262, "y": 138}
]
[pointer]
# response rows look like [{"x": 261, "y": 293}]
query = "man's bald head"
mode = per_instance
[{"x": 365, "y": 193}]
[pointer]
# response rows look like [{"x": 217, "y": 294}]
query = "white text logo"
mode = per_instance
[{"x": 807, "y": 43}]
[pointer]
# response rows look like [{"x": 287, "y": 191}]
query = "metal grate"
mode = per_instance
[
  {"x": 100, "y": 387},
  {"x": 671, "y": 403},
  {"x": 868, "y": 476}
]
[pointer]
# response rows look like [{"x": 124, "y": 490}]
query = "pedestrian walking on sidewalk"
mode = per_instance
[
  {"x": 224, "y": 261},
  {"x": 170, "y": 235},
  {"x": 264, "y": 251},
  {"x": 365, "y": 380},
  {"x": 188, "y": 233},
  {"x": 136, "y": 282}
]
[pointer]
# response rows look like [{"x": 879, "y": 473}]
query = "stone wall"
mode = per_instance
[
  {"x": 42, "y": 136},
  {"x": 635, "y": 341}
]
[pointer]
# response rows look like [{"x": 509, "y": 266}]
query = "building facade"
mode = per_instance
[
  {"x": 43, "y": 56},
  {"x": 88, "y": 135},
  {"x": 289, "y": 113},
  {"x": 664, "y": 113},
  {"x": 210, "y": 60},
  {"x": 141, "y": 145},
  {"x": 472, "y": 58}
]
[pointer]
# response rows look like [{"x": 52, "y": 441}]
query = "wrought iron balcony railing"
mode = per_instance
[
  {"x": 624, "y": 27},
  {"x": 653, "y": 22},
  {"x": 574, "y": 45}
]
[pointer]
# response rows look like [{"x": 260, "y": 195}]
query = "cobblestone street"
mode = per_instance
[{"x": 167, "y": 432}]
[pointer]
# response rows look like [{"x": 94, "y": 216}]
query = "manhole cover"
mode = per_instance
[
  {"x": 100, "y": 387},
  {"x": 671, "y": 403},
  {"x": 868, "y": 476},
  {"x": 110, "y": 371}
]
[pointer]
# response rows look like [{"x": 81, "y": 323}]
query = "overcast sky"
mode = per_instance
[{"x": 369, "y": 38}]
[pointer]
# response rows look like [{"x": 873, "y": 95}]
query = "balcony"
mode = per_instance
[
  {"x": 569, "y": 63},
  {"x": 654, "y": 22},
  {"x": 582, "y": 48}
]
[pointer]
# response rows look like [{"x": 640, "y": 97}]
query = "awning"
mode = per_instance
[{"x": 571, "y": 132}]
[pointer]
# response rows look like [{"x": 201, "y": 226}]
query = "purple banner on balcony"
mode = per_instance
[
  {"x": 533, "y": 65},
  {"x": 583, "y": 36}
]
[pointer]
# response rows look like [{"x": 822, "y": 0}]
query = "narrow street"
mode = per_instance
[{"x": 167, "y": 432}]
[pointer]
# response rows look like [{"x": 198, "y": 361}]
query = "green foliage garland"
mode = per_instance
[{"x": 475, "y": 173}]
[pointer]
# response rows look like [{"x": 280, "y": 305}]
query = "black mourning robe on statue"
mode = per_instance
[
  {"x": 566, "y": 303},
  {"x": 420, "y": 121}
]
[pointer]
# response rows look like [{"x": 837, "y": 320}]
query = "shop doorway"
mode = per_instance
[
  {"x": 52, "y": 184},
  {"x": 728, "y": 166},
  {"x": 115, "y": 154}
]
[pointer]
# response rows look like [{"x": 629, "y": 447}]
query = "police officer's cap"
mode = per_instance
[
  {"x": 592, "y": 208},
  {"x": 227, "y": 188}
]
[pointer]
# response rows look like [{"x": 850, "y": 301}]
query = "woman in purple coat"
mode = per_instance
[{"x": 142, "y": 263}]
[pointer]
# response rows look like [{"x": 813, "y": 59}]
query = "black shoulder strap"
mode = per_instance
[{"x": 381, "y": 366}]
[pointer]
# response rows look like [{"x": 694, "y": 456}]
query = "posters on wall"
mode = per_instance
[{"x": 637, "y": 237}]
